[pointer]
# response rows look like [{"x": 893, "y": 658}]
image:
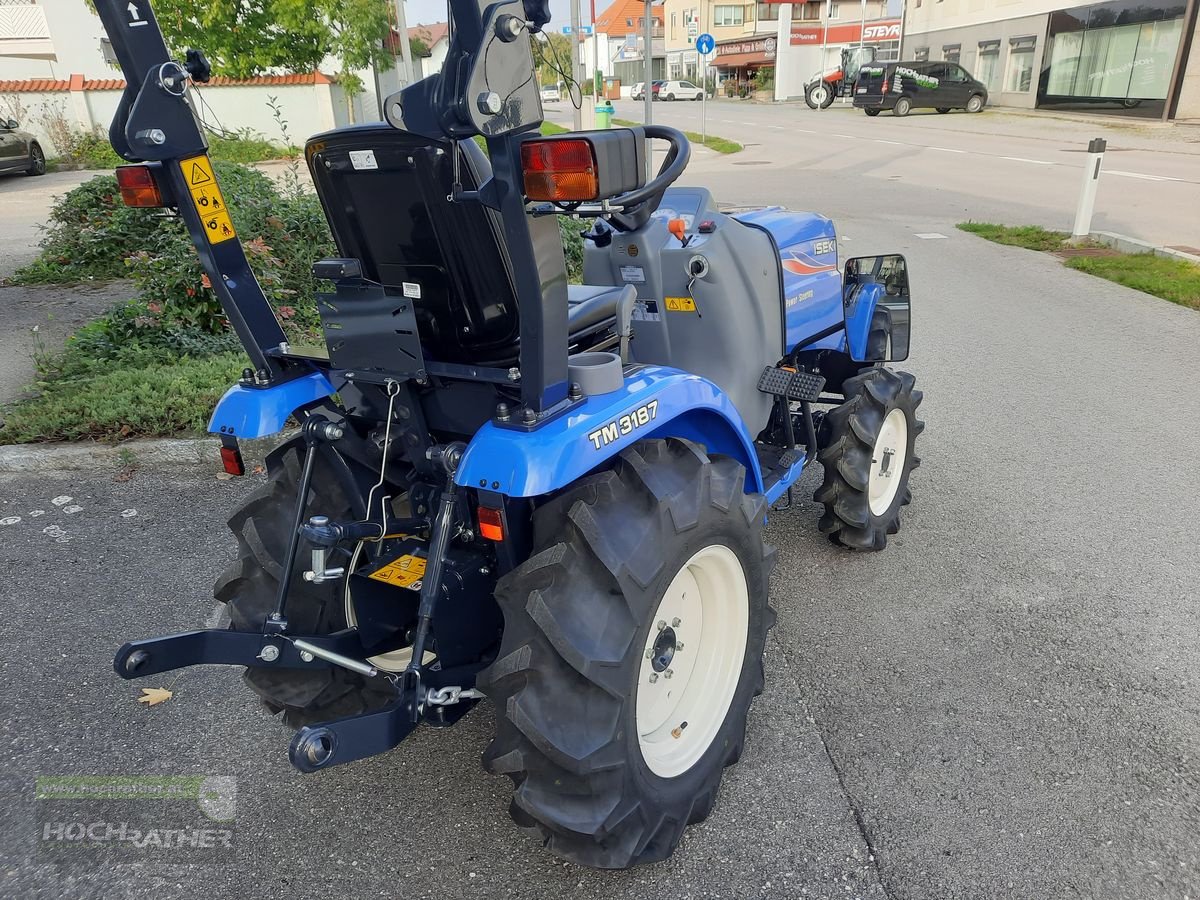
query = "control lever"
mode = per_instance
[{"x": 198, "y": 66}]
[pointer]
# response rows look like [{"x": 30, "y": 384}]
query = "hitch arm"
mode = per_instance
[{"x": 138, "y": 659}]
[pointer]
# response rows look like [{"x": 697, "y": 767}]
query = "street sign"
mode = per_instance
[
  {"x": 583, "y": 29},
  {"x": 705, "y": 44}
]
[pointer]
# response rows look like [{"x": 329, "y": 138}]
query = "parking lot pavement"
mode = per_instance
[
  {"x": 422, "y": 821},
  {"x": 1010, "y": 168},
  {"x": 1003, "y": 704},
  {"x": 24, "y": 205}
]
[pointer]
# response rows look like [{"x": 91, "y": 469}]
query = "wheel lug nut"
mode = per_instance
[
  {"x": 661, "y": 624},
  {"x": 650, "y": 654},
  {"x": 668, "y": 673},
  {"x": 678, "y": 647},
  {"x": 654, "y": 677},
  {"x": 675, "y": 623}
]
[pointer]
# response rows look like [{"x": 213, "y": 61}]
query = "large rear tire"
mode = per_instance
[
  {"x": 867, "y": 446},
  {"x": 262, "y": 525},
  {"x": 903, "y": 107},
  {"x": 632, "y": 649},
  {"x": 819, "y": 95}
]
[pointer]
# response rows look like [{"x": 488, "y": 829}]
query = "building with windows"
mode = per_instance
[
  {"x": 1122, "y": 57},
  {"x": 620, "y": 35}
]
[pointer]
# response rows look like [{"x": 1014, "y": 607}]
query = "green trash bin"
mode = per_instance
[{"x": 604, "y": 114}]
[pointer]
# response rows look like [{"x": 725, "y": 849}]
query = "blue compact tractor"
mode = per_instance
[{"x": 509, "y": 487}]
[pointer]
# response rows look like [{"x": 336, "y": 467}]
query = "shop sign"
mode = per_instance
[
  {"x": 848, "y": 33},
  {"x": 764, "y": 47}
]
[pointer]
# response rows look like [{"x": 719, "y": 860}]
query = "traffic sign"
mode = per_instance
[
  {"x": 705, "y": 44},
  {"x": 583, "y": 29}
]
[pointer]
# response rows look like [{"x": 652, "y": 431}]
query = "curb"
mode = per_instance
[
  {"x": 1126, "y": 244},
  {"x": 151, "y": 453}
]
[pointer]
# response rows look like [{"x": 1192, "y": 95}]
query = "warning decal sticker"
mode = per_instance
[
  {"x": 207, "y": 199},
  {"x": 406, "y": 572},
  {"x": 680, "y": 304}
]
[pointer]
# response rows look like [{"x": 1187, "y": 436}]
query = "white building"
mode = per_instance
[{"x": 1118, "y": 57}]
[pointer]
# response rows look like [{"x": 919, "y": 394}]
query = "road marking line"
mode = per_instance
[
  {"x": 931, "y": 236},
  {"x": 849, "y": 137},
  {"x": 778, "y": 127},
  {"x": 945, "y": 150},
  {"x": 752, "y": 124},
  {"x": 806, "y": 131},
  {"x": 1140, "y": 175},
  {"x": 1036, "y": 162},
  {"x": 882, "y": 141}
]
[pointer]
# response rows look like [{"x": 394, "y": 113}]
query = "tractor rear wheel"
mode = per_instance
[
  {"x": 248, "y": 587},
  {"x": 632, "y": 649},
  {"x": 819, "y": 95},
  {"x": 867, "y": 446}
]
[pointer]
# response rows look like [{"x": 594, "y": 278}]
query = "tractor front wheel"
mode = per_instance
[
  {"x": 248, "y": 587},
  {"x": 867, "y": 446},
  {"x": 632, "y": 649},
  {"x": 819, "y": 95}
]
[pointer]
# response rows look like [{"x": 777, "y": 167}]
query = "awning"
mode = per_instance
[{"x": 740, "y": 60}]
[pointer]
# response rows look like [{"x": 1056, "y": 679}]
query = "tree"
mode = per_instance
[
  {"x": 551, "y": 55},
  {"x": 242, "y": 38}
]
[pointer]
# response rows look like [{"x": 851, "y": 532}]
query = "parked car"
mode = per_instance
[
  {"x": 550, "y": 94},
  {"x": 905, "y": 86},
  {"x": 19, "y": 150},
  {"x": 638, "y": 92},
  {"x": 679, "y": 90},
  {"x": 656, "y": 86}
]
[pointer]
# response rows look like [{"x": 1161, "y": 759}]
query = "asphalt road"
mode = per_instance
[
  {"x": 1006, "y": 166},
  {"x": 1005, "y": 703}
]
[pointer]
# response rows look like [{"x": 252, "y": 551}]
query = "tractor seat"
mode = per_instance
[{"x": 591, "y": 305}]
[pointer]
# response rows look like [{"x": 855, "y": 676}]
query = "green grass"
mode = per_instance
[
  {"x": 1031, "y": 237},
  {"x": 720, "y": 144},
  {"x": 1171, "y": 279},
  {"x": 124, "y": 401}
]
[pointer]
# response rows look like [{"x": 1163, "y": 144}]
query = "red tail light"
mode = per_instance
[
  {"x": 138, "y": 187},
  {"x": 884, "y": 88},
  {"x": 491, "y": 524},
  {"x": 560, "y": 170},
  {"x": 231, "y": 455}
]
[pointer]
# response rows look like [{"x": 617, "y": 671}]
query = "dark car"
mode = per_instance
[
  {"x": 19, "y": 150},
  {"x": 904, "y": 86}
]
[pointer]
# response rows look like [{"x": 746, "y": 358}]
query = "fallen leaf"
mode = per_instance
[{"x": 155, "y": 696}]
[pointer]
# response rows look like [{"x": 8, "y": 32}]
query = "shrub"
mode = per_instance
[{"x": 116, "y": 402}]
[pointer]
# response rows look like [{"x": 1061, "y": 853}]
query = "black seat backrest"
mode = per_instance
[{"x": 384, "y": 192}]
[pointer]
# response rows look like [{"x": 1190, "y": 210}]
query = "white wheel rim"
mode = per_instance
[
  {"x": 692, "y": 664},
  {"x": 887, "y": 462},
  {"x": 819, "y": 95}
]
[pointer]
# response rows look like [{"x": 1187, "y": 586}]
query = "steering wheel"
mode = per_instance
[{"x": 637, "y": 206}]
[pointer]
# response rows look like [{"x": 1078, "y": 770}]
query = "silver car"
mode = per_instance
[{"x": 19, "y": 150}]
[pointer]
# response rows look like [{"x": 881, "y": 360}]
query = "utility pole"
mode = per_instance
[
  {"x": 406, "y": 68},
  {"x": 597, "y": 78},
  {"x": 648, "y": 89},
  {"x": 576, "y": 64}
]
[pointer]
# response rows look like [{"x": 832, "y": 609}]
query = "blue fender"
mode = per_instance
[
  {"x": 654, "y": 402},
  {"x": 861, "y": 301},
  {"x": 254, "y": 412}
]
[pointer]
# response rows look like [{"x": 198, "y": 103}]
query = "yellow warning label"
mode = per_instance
[
  {"x": 218, "y": 227},
  {"x": 207, "y": 199},
  {"x": 680, "y": 304},
  {"x": 406, "y": 572},
  {"x": 198, "y": 171}
]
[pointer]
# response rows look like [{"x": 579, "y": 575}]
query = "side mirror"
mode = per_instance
[{"x": 876, "y": 300}]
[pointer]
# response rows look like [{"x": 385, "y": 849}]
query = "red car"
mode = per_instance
[{"x": 655, "y": 86}]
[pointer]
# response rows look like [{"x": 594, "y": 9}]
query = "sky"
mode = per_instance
[{"x": 426, "y": 12}]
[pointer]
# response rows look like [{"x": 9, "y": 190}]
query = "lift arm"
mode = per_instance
[{"x": 155, "y": 122}]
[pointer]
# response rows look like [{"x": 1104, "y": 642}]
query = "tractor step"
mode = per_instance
[{"x": 803, "y": 386}]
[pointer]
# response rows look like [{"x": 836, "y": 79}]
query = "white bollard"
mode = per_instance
[{"x": 1087, "y": 191}]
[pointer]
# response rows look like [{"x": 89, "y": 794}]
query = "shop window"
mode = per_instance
[
  {"x": 987, "y": 69},
  {"x": 951, "y": 52},
  {"x": 887, "y": 51},
  {"x": 921, "y": 54},
  {"x": 768, "y": 12},
  {"x": 809, "y": 12},
  {"x": 1018, "y": 74},
  {"x": 728, "y": 15}
]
